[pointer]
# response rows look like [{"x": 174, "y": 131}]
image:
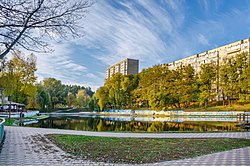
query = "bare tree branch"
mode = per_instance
[{"x": 30, "y": 23}]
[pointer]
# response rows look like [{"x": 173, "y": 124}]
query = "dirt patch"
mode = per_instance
[{"x": 43, "y": 146}]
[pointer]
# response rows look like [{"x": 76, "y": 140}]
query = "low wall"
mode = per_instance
[
  {"x": 1, "y": 129},
  {"x": 183, "y": 113},
  {"x": 170, "y": 113},
  {"x": 17, "y": 115}
]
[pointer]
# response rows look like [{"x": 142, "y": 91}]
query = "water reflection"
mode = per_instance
[{"x": 138, "y": 124}]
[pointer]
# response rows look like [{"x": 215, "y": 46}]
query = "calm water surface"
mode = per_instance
[{"x": 137, "y": 124}]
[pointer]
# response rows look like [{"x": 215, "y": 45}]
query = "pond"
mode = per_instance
[{"x": 137, "y": 124}]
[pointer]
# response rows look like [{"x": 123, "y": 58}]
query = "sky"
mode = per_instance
[{"x": 153, "y": 31}]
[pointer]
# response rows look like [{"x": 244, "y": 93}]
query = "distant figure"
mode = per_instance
[{"x": 21, "y": 114}]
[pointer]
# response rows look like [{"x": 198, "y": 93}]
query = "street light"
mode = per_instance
[
  {"x": 10, "y": 108},
  {"x": 2, "y": 97}
]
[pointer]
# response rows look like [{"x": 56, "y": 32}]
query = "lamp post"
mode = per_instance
[
  {"x": 2, "y": 98},
  {"x": 10, "y": 108}
]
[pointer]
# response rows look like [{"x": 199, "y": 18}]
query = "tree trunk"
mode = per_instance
[
  {"x": 229, "y": 103},
  {"x": 205, "y": 104}
]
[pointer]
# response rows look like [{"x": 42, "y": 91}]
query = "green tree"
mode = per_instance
[
  {"x": 102, "y": 97},
  {"x": 189, "y": 88},
  {"x": 207, "y": 83},
  {"x": 245, "y": 85},
  {"x": 234, "y": 78},
  {"x": 33, "y": 102},
  {"x": 149, "y": 85},
  {"x": 54, "y": 88},
  {"x": 154, "y": 87},
  {"x": 93, "y": 104},
  {"x": 128, "y": 84},
  {"x": 82, "y": 98},
  {"x": 44, "y": 98},
  {"x": 70, "y": 99},
  {"x": 18, "y": 77}
]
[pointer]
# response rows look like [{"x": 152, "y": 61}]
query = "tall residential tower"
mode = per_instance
[{"x": 125, "y": 67}]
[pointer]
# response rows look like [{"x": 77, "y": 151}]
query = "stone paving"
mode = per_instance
[{"x": 29, "y": 146}]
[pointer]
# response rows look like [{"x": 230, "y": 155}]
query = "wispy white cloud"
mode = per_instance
[
  {"x": 133, "y": 33},
  {"x": 90, "y": 75},
  {"x": 204, "y": 4},
  {"x": 152, "y": 31},
  {"x": 59, "y": 64},
  {"x": 203, "y": 40}
]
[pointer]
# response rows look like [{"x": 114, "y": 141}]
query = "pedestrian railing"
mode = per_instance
[{"x": 1, "y": 129}]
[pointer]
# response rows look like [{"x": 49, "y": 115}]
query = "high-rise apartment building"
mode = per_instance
[
  {"x": 218, "y": 55},
  {"x": 125, "y": 67}
]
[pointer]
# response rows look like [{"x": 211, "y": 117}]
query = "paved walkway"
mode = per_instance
[{"x": 29, "y": 146}]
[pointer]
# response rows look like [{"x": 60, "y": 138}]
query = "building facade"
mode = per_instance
[
  {"x": 218, "y": 55},
  {"x": 125, "y": 67}
]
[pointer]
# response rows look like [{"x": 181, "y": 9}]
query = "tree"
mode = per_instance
[
  {"x": 30, "y": 23},
  {"x": 93, "y": 104},
  {"x": 188, "y": 85},
  {"x": 82, "y": 98},
  {"x": 128, "y": 84},
  {"x": 155, "y": 87},
  {"x": 115, "y": 91},
  {"x": 229, "y": 79},
  {"x": 242, "y": 78},
  {"x": 147, "y": 86},
  {"x": 54, "y": 88},
  {"x": 102, "y": 97},
  {"x": 234, "y": 78},
  {"x": 207, "y": 78},
  {"x": 70, "y": 99},
  {"x": 62, "y": 95},
  {"x": 43, "y": 96},
  {"x": 89, "y": 91},
  {"x": 245, "y": 84},
  {"x": 33, "y": 102},
  {"x": 18, "y": 77}
]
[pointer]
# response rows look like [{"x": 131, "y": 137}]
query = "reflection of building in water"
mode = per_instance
[
  {"x": 118, "y": 118},
  {"x": 168, "y": 119},
  {"x": 168, "y": 113},
  {"x": 185, "y": 119}
]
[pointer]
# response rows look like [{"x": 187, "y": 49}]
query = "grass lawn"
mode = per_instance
[
  {"x": 9, "y": 123},
  {"x": 142, "y": 150}
]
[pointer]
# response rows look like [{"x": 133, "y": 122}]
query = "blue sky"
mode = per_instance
[{"x": 153, "y": 31}]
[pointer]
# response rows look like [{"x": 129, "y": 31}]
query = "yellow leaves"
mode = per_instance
[
  {"x": 82, "y": 98},
  {"x": 19, "y": 76}
]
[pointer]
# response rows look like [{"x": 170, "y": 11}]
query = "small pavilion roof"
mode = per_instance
[{"x": 13, "y": 103}]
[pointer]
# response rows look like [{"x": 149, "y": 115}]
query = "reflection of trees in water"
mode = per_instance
[
  {"x": 166, "y": 126},
  {"x": 98, "y": 124}
]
